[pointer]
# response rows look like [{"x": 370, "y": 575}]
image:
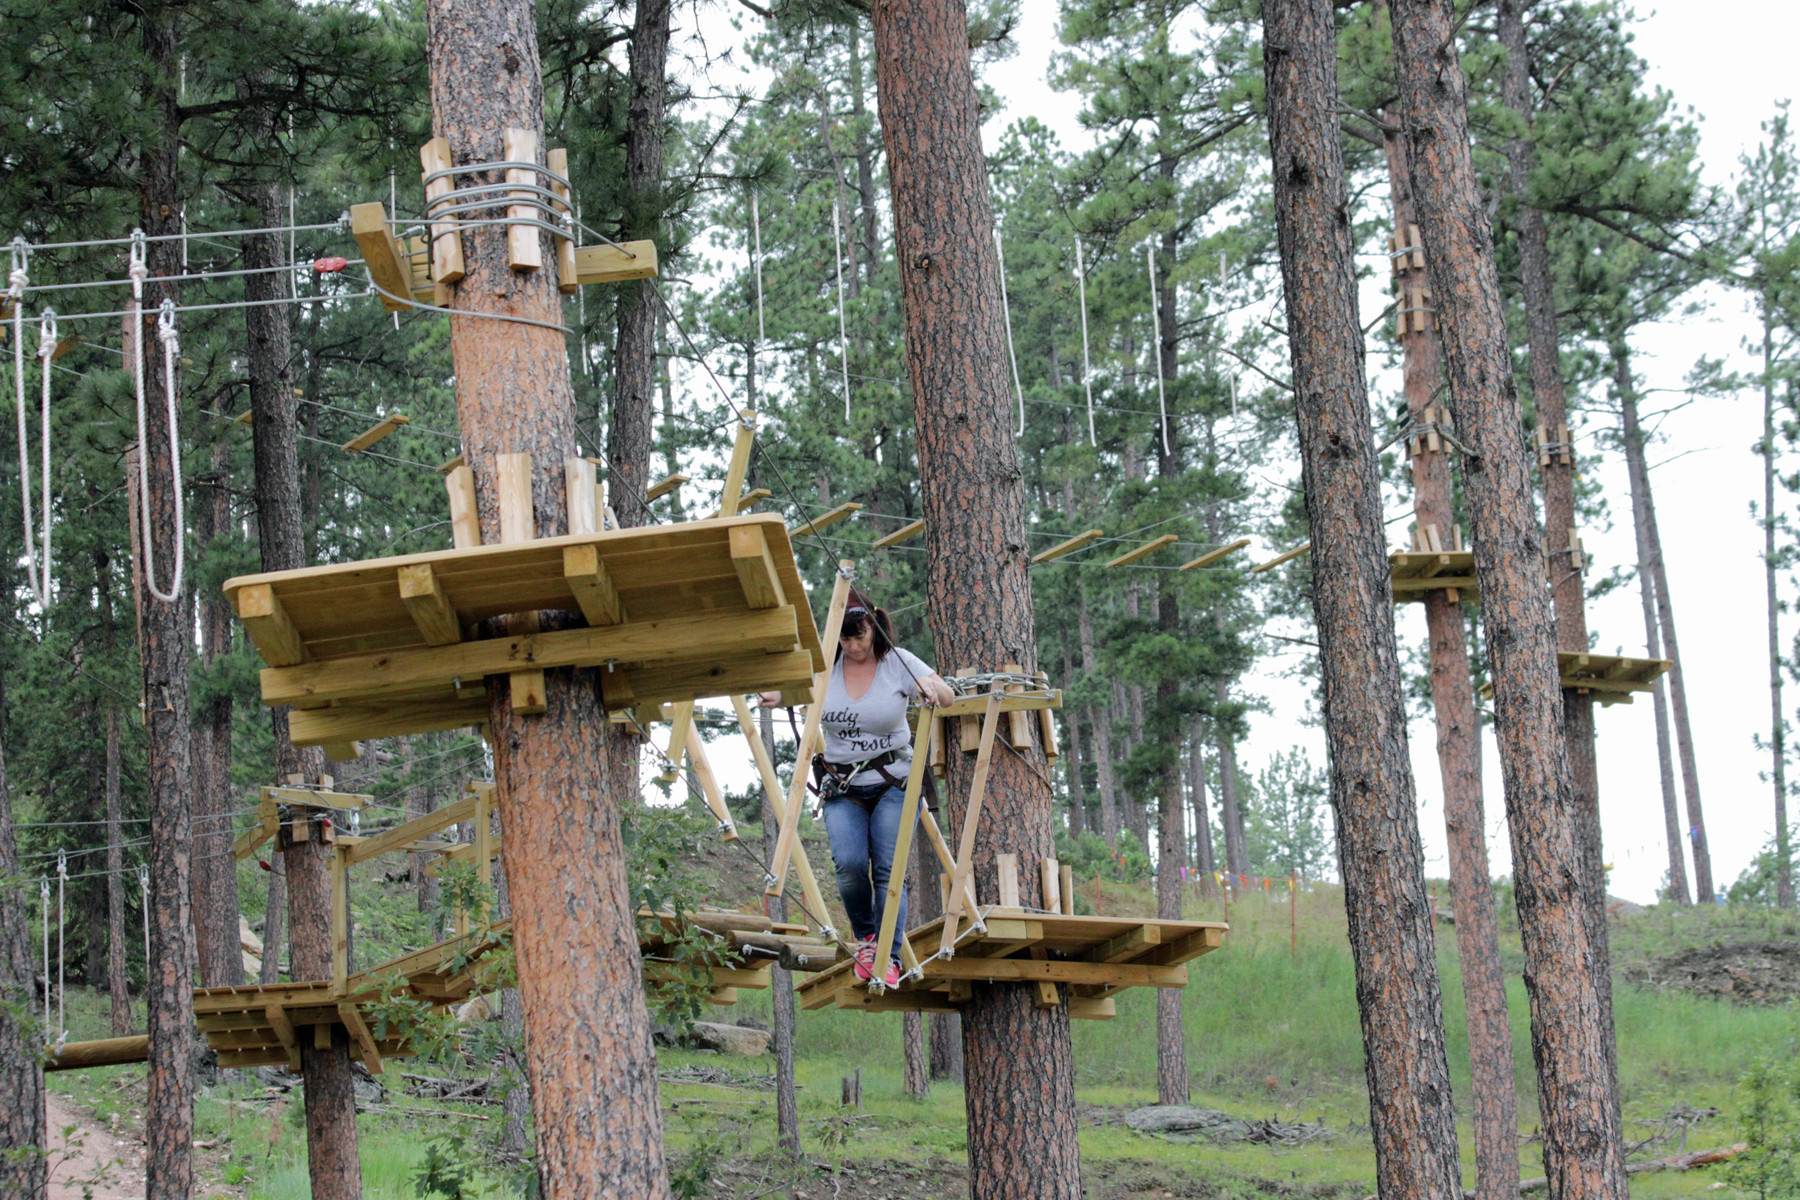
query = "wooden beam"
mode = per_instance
[
  {"x": 582, "y": 495},
  {"x": 791, "y": 672},
  {"x": 903, "y": 534},
  {"x": 709, "y": 784},
  {"x": 1090, "y": 1008},
  {"x": 366, "y": 678},
  {"x": 1006, "y": 869},
  {"x": 429, "y": 608},
  {"x": 824, "y": 519},
  {"x": 557, "y": 162},
  {"x": 680, "y": 722},
  {"x": 382, "y": 255},
  {"x": 524, "y": 252},
  {"x": 739, "y": 465},
  {"x": 446, "y": 239},
  {"x": 756, "y": 568},
  {"x": 1213, "y": 556},
  {"x": 359, "y": 1032},
  {"x": 512, "y": 488},
  {"x": 465, "y": 521},
  {"x": 965, "y": 854},
  {"x": 326, "y": 726},
  {"x": 765, "y": 769},
  {"x": 1144, "y": 551},
  {"x": 300, "y": 797},
  {"x": 267, "y": 623},
  {"x": 284, "y": 1029},
  {"x": 1049, "y": 887},
  {"x": 664, "y": 486},
  {"x": 382, "y": 428},
  {"x": 267, "y": 822},
  {"x": 1127, "y": 945},
  {"x": 340, "y": 918},
  {"x": 594, "y": 592},
  {"x": 399, "y": 837},
  {"x": 1285, "y": 556},
  {"x": 1033, "y": 970},
  {"x": 615, "y": 264},
  {"x": 1069, "y": 547}
]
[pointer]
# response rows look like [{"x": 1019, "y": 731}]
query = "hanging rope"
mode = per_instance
[
  {"x": 144, "y": 890},
  {"x": 837, "y": 239},
  {"x": 1087, "y": 381},
  {"x": 1162, "y": 407},
  {"x": 62, "y": 883},
  {"x": 171, "y": 345},
  {"x": 1006, "y": 310},
  {"x": 16, "y": 284},
  {"x": 44, "y": 903},
  {"x": 762, "y": 333}
]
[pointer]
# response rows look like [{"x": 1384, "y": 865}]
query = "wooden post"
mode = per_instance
[
  {"x": 990, "y": 723},
  {"x": 340, "y": 921},
  {"x": 790, "y": 820},
  {"x": 446, "y": 241},
  {"x": 909, "y": 812},
  {"x": 809, "y": 884},
  {"x": 1049, "y": 876},
  {"x": 709, "y": 783},
  {"x": 523, "y": 246},
  {"x": 738, "y": 467},
  {"x": 557, "y": 161}
]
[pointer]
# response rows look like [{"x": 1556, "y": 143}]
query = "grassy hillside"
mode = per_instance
[{"x": 1272, "y": 1031}]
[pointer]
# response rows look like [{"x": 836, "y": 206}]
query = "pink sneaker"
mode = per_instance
[
  {"x": 864, "y": 965},
  {"x": 892, "y": 978}
]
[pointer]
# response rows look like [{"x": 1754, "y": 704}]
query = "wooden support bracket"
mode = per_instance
[
  {"x": 756, "y": 568},
  {"x": 557, "y": 162},
  {"x": 615, "y": 264},
  {"x": 267, "y": 623},
  {"x": 446, "y": 239},
  {"x": 465, "y": 522},
  {"x": 524, "y": 250},
  {"x": 429, "y": 608},
  {"x": 382, "y": 254}
]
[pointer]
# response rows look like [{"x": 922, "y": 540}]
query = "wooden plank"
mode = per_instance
[
  {"x": 340, "y": 929},
  {"x": 903, "y": 534},
  {"x": 756, "y": 568},
  {"x": 1033, "y": 970},
  {"x": 971, "y": 707},
  {"x": 267, "y": 822},
  {"x": 593, "y": 587},
  {"x": 446, "y": 240},
  {"x": 739, "y": 465},
  {"x": 1019, "y": 722},
  {"x": 897, "y": 869},
  {"x": 353, "y": 1021},
  {"x": 664, "y": 486},
  {"x": 313, "y": 797},
  {"x": 524, "y": 252},
  {"x": 1069, "y": 547},
  {"x": 1089, "y": 1008},
  {"x": 326, "y": 726},
  {"x": 583, "y": 495},
  {"x": 382, "y": 255},
  {"x": 467, "y": 852},
  {"x": 429, "y": 608},
  {"x": 1285, "y": 556},
  {"x": 699, "y": 680},
  {"x": 1144, "y": 551},
  {"x": 266, "y": 620},
  {"x": 381, "y": 429},
  {"x": 557, "y": 162},
  {"x": 824, "y": 519},
  {"x": 1066, "y": 886},
  {"x": 465, "y": 522},
  {"x": 1213, "y": 556},
  {"x": 615, "y": 264},
  {"x": 777, "y": 801},
  {"x": 398, "y": 837},
  {"x": 1006, "y": 868},
  {"x": 965, "y": 856},
  {"x": 1050, "y": 889},
  {"x": 1130, "y": 945},
  {"x": 1187, "y": 946},
  {"x": 284, "y": 1029},
  {"x": 512, "y": 488}
]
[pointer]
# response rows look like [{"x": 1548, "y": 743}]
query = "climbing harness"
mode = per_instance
[
  {"x": 1162, "y": 405},
  {"x": 139, "y": 271},
  {"x": 1011, "y": 354},
  {"x": 17, "y": 282},
  {"x": 1087, "y": 381}
]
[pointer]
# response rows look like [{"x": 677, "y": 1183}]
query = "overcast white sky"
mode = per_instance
[{"x": 1705, "y": 488}]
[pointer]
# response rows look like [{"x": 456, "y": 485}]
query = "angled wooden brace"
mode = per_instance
[
  {"x": 809, "y": 737},
  {"x": 809, "y": 883},
  {"x": 909, "y": 815},
  {"x": 965, "y": 855},
  {"x": 709, "y": 783}
]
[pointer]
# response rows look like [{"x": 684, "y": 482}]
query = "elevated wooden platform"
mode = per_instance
[
  {"x": 1612, "y": 680},
  {"x": 395, "y": 645},
  {"x": 1416, "y": 572},
  {"x": 1094, "y": 958}
]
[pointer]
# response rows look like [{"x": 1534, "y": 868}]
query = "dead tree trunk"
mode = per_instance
[
  {"x": 1576, "y": 1094},
  {"x": 1491, "y": 1064},
  {"x": 1379, "y": 852},
  {"x": 573, "y": 931},
  {"x": 164, "y": 636},
  {"x": 1636, "y": 470},
  {"x": 1017, "y": 1058},
  {"x": 1563, "y": 556},
  {"x": 23, "y": 1171}
]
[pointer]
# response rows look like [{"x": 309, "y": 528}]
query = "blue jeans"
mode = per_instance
[{"x": 862, "y": 848}]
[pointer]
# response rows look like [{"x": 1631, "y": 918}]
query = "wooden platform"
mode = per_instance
[
  {"x": 1612, "y": 680},
  {"x": 1093, "y": 958},
  {"x": 393, "y": 646},
  {"x": 1416, "y": 572}
]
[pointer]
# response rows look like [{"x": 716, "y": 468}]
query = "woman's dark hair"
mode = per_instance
[{"x": 859, "y": 611}]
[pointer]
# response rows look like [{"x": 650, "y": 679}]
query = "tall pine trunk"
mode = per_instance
[
  {"x": 23, "y": 1170},
  {"x": 1582, "y": 1150},
  {"x": 1637, "y": 472},
  {"x": 118, "y": 987},
  {"x": 1563, "y": 552},
  {"x": 215, "y": 871},
  {"x": 1205, "y": 861},
  {"x": 1491, "y": 1064},
  {"x": 1379, "y": 852},
  {"x": 781, "y": 981},
  {"x": 1017, "y": 1058},
  {"x": 1100, "y": 721},
  {"x": 1784, "y": 860},
  {"x": 165, "y": 636},
  {"x": 573, "y": 931}
]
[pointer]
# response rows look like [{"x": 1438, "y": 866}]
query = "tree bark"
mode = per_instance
[
  {"x": 781, "y": 984},
  {"x": 215, "y": 871},
  {"x": 118, "y": 985},
  {"x": 1563, "y": 557},
  {"x": 1018, "y": 1063},
  {"x": 1637, "y": 472},
  {"x": 1491, "y": 1064},
  {"x": 1784, "y": 861},
  {"x": 1204, "y": 860},
  {"x": 1231, "y": 816},
  {"x": 573, "y": 932},
  {"x": 1071, "y": 722},
  {"x": 1100, "y": 722},
  {"x": 1577, "y": 1097},
  {"x": 23, "y": 1169},
  {"x": 164, "y": 638},
  {"x": 1379, "y": 852}
]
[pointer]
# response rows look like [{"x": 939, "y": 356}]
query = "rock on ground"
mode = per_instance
[{"x": 730, "y": 1039}]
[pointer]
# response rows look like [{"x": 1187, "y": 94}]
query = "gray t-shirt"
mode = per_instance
[{"x": 875, "y": 723}]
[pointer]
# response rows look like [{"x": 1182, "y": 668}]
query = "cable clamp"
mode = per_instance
[
  {"x": 139, "y": 269},
  {"x": 47, "y": 335},
  {"x": 19, "y": 278},
  {"x": 62, "y": 864}
]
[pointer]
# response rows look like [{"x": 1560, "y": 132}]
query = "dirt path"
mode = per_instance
[{"x": 87, "y": 1162}]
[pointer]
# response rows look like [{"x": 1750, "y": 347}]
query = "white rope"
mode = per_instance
[
  {"x": 171, "y": 344},
  {"x": 1162, "y": 407},
  {"x": 144, "y": 889},
  {"x": 837, "y": 239},
  {"x": 1087, "y": 382},
  {"x": 62, "y": 883},
  {"x": 17, "y": 282},
  {"x": 44, "y": 898},
  {"x": 762, "y": 333},
  {"x": 1011, "y": 354}
]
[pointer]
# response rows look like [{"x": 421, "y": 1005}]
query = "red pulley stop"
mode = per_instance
[{"x": 330, "y": 266}]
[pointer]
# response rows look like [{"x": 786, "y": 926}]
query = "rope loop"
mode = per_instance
[
  {"x": 62, "y": 864},
  {"x": 47, "y": 337},
  {"x": 18, "y": 278},
  {"x": 171, "y": 341},
  {"x": 139, "y": 268}
]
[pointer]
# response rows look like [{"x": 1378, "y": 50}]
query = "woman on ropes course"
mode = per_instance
[{"x": 861, "y": 774}]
